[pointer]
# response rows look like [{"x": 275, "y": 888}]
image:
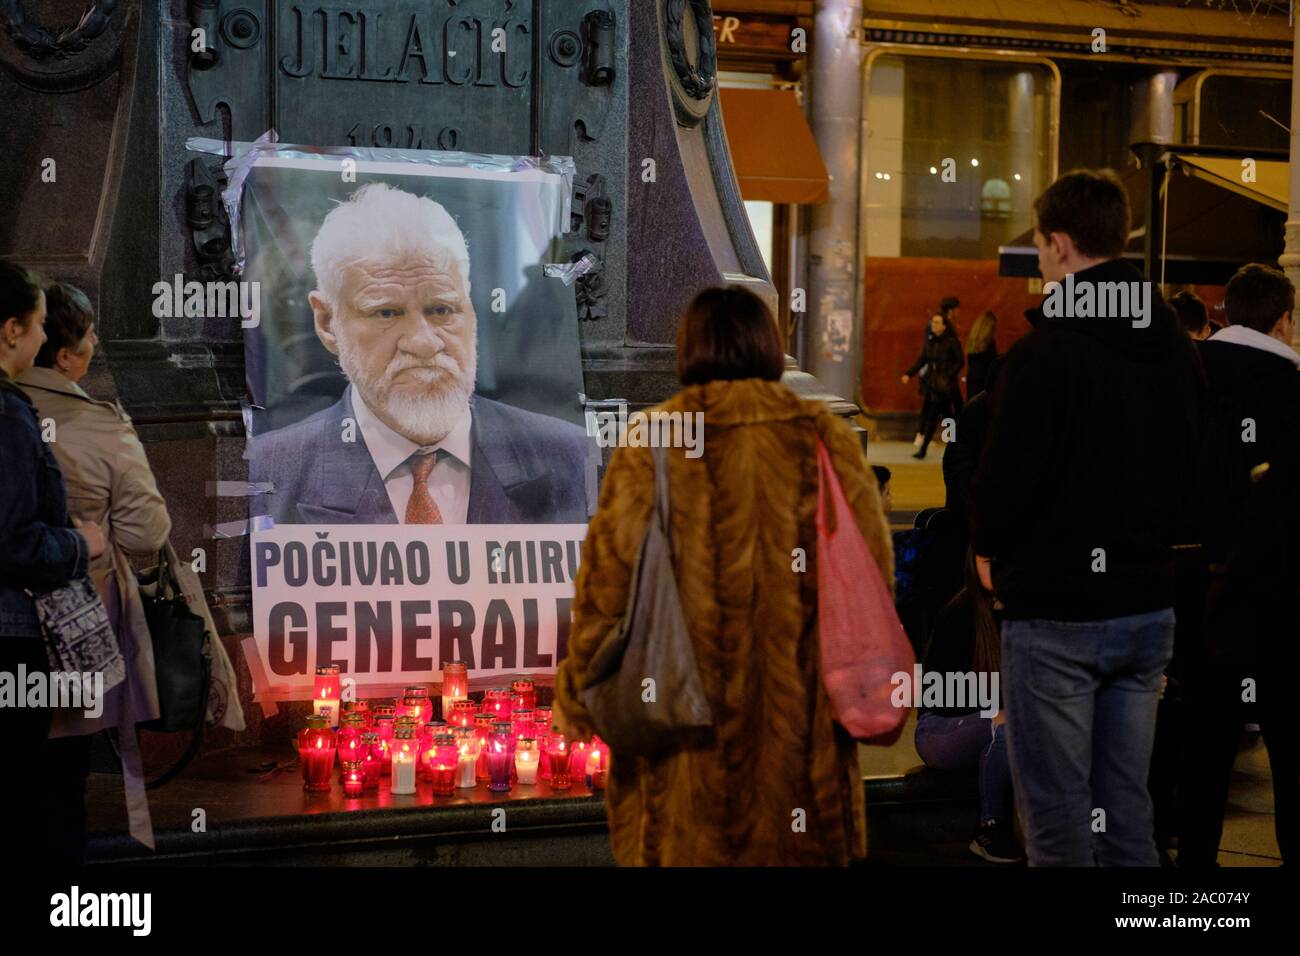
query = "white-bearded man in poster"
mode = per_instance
[{"x": 409, "y": 442}]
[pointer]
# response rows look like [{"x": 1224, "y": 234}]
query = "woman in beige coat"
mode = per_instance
[
  {"x": 777, "y": 782},
  {"x": 110, "y": 485}
]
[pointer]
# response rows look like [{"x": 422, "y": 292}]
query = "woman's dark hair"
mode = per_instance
[
  {"x": 728, "y": 334},
  {"x": 68, "y": 317},
  {"x": 20, "y": 291},
  {"x": 988, "y": 646},
  {"x": 1191, "y": 310}
]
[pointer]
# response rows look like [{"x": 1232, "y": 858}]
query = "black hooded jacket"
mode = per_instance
[
  {"x": 1089, "y": 475},
  {"x": 1254, "y": 403}
]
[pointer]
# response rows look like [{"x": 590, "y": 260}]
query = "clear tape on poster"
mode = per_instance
[
  {"x": 571, "y": 272},
  {"x": 238, "y": 489},
  {"x": 243, "y": 156}
]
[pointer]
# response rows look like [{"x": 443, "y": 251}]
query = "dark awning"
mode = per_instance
[
  {"x": 773, "y": 150},
  {"x": 1212, "y": 231}
]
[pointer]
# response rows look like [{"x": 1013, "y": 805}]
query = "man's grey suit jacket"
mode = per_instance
[{"x": 525, "y": 468}]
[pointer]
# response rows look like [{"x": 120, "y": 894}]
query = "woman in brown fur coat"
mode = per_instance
[{"x": 777, "y": 782}]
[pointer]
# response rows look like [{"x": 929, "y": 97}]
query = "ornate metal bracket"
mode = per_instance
[
  {"x": 68, "y": 59},
  {"x": 598, "y": 34},
  {"x": 203, "y": 16},
  {"x": 592, "y": 209},
  {"x": 207, "y": 220}
]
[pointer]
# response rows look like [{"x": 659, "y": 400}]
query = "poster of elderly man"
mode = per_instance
[{"x": 413, "y": 363}]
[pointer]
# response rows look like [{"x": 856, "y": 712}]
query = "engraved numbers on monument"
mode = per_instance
[{"x": 412, "y": 74}]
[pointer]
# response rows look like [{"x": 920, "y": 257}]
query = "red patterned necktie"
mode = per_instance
[{"x": 422, "y": 509}]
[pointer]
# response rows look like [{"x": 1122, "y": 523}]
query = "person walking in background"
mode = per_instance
[
  {"x": 1253, "y": 376},
  {"x": 1193, "y": 315},
  {"x": 110, "y": 485},
  {"x": 41, "y": 549},
  {"x": 1087, "y": 482},
  {"x": 738, "y": 513},
  {"x": 965, "y": 640},
  {"x": 938, "y": 368},
  {"x": 981, "y": 350}
]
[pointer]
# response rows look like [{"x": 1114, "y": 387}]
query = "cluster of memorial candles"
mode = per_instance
[{"x": 507, "y": 740}]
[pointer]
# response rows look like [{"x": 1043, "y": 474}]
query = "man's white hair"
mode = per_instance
[{"x": 379, "y": 224}]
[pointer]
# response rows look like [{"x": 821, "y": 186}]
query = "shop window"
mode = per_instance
[
  {"x": 1245, "y": 111},
  {"x": 954, "y": 175},
  {"x": 762, "y": 219}
]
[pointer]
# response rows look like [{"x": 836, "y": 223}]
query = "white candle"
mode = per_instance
[
  {"x": 526, "y": 767},
  {"x": 403, "y": 778},
  {"x": 466, "y": 768}
]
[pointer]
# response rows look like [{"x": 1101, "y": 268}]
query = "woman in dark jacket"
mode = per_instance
[
  {"x": 981, "y": 350},
  {"x": 939, "y": 365},
  {"x": 40, "y": 549},
  {"x": 963, "y": 734}
]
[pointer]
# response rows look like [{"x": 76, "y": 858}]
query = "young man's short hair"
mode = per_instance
[
  {"x": 1257, "y": 296},
  {"x": 1091, "y": 207}
]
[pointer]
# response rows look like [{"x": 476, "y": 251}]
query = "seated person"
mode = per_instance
[{"x": 965, "y": 639}]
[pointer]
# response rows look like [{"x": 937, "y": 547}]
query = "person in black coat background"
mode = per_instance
[
  {"x": 1254, "y": 405},
  {"x": 1252, "y": 615},
  {"x": 939, "y": 368},
  {"x": 981, "y": 351}
]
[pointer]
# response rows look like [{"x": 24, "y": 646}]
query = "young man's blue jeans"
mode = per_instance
[{"x": 1081, "y": 711}]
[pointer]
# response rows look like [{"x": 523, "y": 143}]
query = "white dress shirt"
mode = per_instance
[{"x": 448, "y": 482}]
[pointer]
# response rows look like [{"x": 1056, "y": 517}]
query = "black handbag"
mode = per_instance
[{"x": 180, "y": 656}]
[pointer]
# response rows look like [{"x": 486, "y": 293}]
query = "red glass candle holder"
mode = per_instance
[
  {"x": 443, "y": 759},
  {"x": 499, "y": 759},
  {"x": 595, "y": 769},
  {"x": 559, "y": 752},
  {"x": 386, "y": 727},
  {"x": 522, "y": 724},
  {"x": 578, "y": 750},
  {"x": 354, "y": 778},
  {"x": 498, "y": 703},
  {"x": 373, "y": 762},
  {"x": 524, "y": 691},
  {"x": 357, "y": 707},
  {"x": 317, "y": 745},
  {"x": 351, "y": 747},
  {"x": 455, "y": 686},
  {"x": 462, "y": 713},
  {"x": 385, "y": 707},
  {"x": 326, "y": 693},
  {"x": 483, "y": 727},
  {"x": 542, "y": 724}
]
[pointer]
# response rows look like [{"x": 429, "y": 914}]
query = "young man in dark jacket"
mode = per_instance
[
  {"x": 1087, "y": 482},
  {"x": 1254, "y": 404}
]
